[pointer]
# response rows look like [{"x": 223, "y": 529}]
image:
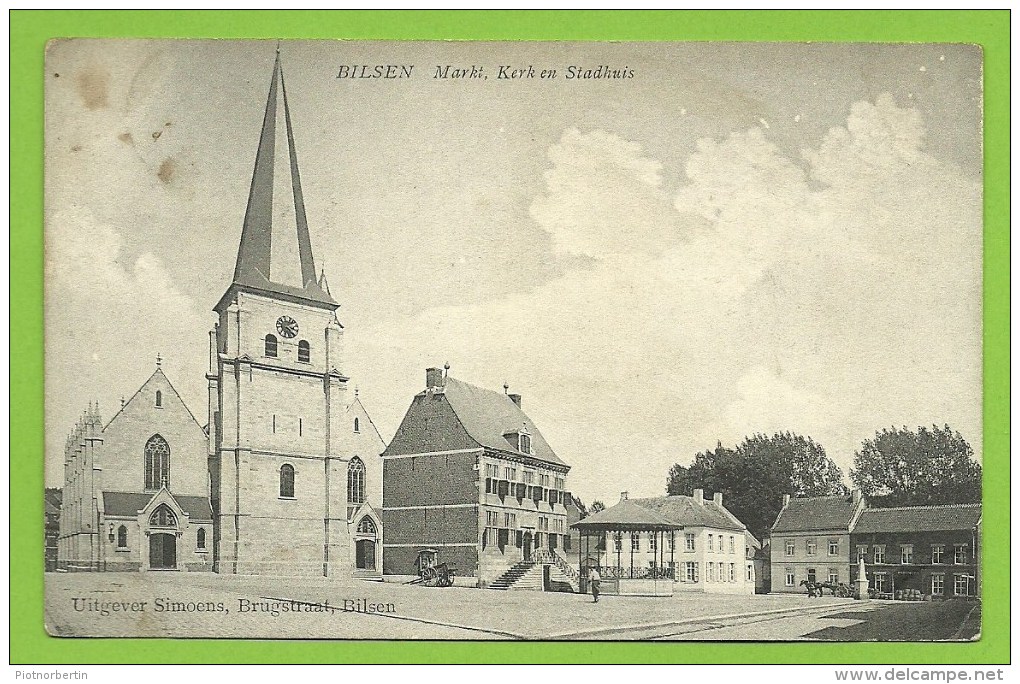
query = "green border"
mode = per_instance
[{"x": 31, "y": 29}]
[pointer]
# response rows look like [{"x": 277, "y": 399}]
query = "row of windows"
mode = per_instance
[
  {"x": 495, "y": 471},
  {"x": 355, "y": 481},
  {"x": 882, "y": 583},
  {"x": 811, "y": 547},
  {"x": 714, "y": 572},
  {"x": 812, "y": 576},
  {"x": 304, "y": 350},
  {"x": 521, "y": 491},
  {"x": 161, "y": 517},
  {"x": 938, "y": 554}
]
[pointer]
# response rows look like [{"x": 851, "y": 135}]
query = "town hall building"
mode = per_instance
[{"x": 470, "y": 482}]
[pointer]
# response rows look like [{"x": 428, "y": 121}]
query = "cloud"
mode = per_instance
[
  {"x": 107, "y": 317},
  {"x": 604, "y": 198},
  {"x": 829, "y": 294}
]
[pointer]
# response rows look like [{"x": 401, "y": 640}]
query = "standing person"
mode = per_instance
[{"x": 595, "y": 579}]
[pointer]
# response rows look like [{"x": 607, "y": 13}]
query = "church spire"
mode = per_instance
[{"x": 261, "y": 265}]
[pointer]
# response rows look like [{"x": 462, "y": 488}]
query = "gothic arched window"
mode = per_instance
[
  {"x": 287, "y": 481},
  {"x": 304, "y": 351},
  {"x": 357, "y": 426},
  {"x": 121, "y": 537},
  {"x": 159, "y": 399},
  {"x": 356, "y": 481},
  {"x": 271, "y": 345},
  {"x": 201, "y": 538},
  {"x": 366, "y": 526},
  {"x": 157, "y": 463},
  {"x": 163, "y": 517}
]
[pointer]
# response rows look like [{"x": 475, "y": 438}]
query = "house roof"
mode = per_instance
[
  {"x": 816, "y": 513},
  {"x": 127, "y": 504},
  {"x": 488, "y": 416},
  {"x": 918, "y": 519},
  {"x": 627, "y": 515},
  {"x": 687, "y": 512}
]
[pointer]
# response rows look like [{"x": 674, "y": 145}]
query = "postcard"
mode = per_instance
[{"x": 543, "y": 341}]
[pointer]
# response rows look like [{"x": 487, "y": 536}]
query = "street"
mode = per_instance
[{"x": 195, "y": 605}]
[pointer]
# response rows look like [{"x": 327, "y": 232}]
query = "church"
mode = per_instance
[{"x": 285, "y": 478}]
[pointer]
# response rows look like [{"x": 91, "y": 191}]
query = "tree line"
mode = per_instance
[{"x": 898, "y": 467}]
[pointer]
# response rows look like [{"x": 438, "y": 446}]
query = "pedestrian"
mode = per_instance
[{"x": 595, "y": 579}]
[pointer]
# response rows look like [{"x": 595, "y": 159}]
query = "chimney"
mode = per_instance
[
  {"x": 717, "y": 498},
  {"x": 515, "y": 398},
  {"x": 699, "y": 496},
  {"x": 856, "y": 494},
  {"x": 623, "y": 496},
  {"x": 786, "y": 500},
  {"x": 433, "y": 377}
]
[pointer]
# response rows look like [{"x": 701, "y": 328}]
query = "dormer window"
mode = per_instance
[{"x": 519, "y": 439}]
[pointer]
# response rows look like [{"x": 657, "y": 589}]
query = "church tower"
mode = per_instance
[{"x": 278, "y": 476}]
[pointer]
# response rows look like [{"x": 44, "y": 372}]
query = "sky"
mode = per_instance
[{"x": 738, "y": 239}]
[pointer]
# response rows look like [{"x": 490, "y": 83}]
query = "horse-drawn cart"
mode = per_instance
[{"x": 437, "y": 576}]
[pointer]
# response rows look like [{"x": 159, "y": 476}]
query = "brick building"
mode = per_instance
[
  {"x": 470, "y": 481},
  {"x": 810, "y": 540},
  {"x": 135, "y": 494},
  {"x": 928, "y": 549}
]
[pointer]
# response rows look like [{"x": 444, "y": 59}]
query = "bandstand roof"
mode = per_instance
[{"x": 626, "y": 515}]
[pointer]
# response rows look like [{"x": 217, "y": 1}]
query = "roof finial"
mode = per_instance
[
  {"x": 159, "y": 360},
  {"x": 122, "y": 402},
  {"x": 446, "y": 368},
  {"x": 506, "y": 387},
  {"x": 355, "y": 392}
]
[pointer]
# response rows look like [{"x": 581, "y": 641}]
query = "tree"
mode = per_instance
[
  {"x": 754, "y": 476},
  {"x": 900, "y": 467},
  {"x": 582, "y": 510},
  {"x": 595, "y": 507}
]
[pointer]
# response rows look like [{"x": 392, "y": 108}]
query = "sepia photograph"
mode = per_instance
[{"x": 541, "y": 341}]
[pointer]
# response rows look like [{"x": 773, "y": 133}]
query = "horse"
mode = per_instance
[
  {"x": 837, "y": 588},
  {"x": 813, "y": 588}
]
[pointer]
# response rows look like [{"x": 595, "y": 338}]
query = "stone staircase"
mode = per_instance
[{"x": 520, "y": 576}]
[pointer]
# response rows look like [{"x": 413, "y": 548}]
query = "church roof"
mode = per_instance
[
  {"x": 253, "y": 270},
  {"x": 158, "y": 378},
  {"x": 489, "y": 416},
  {"x": 127, "y": 505}
]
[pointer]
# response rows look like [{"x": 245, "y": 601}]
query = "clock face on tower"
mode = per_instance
[{"x": 286, "y": 326}]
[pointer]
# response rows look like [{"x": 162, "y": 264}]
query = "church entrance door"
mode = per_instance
[
  {"x": 364, "y": 554},
  {"x": 527, "y": 546},
  {"x": 162, "y": 551}
]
